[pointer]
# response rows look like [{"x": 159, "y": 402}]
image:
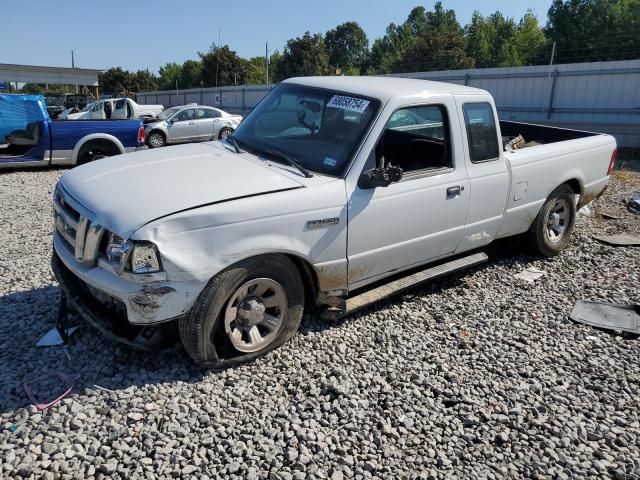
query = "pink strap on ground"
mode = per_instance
[{"x": 43, "y": 406}]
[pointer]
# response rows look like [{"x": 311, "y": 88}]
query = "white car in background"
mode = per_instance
[
  {"x": 116, "y": 109},
  {"x": 190, "y": 123}
]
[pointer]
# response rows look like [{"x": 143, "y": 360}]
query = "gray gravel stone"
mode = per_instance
[{"x": 422, "y": 384}]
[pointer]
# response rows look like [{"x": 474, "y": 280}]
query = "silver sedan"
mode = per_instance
[{"x": 189, "y": 123}]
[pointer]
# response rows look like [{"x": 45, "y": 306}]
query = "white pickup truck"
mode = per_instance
[
  {"x": 333, "y": 193},
  {"x": 114, "y": 109}
]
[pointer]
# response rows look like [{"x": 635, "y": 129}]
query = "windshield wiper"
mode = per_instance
[
  {"x": 288, "y": 159},
  {"x": 234, "y": 144}
]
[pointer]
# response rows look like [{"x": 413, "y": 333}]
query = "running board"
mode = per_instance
[{"x": 396, "y": 286}]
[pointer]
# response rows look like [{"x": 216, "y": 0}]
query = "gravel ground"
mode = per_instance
[{"x": 478, "y": 375}]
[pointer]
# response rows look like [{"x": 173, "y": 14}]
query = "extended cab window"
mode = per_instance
[
  {"x": 416, "y": 138},
  {"x": 481, "y": 132}
]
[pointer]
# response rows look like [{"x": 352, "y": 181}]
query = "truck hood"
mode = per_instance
[{"x": 128, "y": 191}]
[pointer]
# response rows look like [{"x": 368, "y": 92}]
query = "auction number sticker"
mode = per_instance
[{"x": 348, "y": 103}]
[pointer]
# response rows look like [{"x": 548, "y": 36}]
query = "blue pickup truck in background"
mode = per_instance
[{"x": 29, "y": 138}]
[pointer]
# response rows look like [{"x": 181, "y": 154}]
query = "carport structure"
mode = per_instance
[{"x": 49, "y": 75}]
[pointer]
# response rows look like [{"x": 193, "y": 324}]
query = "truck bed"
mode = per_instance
[{"x": 539, "y": 134}]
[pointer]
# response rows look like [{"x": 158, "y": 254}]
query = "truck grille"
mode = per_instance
[{"x": 81, "y": 235}]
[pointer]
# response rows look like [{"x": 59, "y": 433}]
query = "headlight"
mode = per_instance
[
  {"x": 118, "y": 252},
  {"x": 145, "y": 258}
]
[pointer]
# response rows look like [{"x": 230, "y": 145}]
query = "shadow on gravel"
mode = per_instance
[
  {"x": 96, "y": 361},
  {"x": 26, "y": 316},
  {"x": 504, "y": 252}
]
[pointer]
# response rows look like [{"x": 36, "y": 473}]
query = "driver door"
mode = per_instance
[
  {"x": 183, "y": 126},
  {"x": 422, "y": 217},
  {"x": 97, "y": 112}
]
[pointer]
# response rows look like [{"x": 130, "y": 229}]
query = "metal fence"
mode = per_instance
[
  {"x": 598, "y": 96},
  {"x": 240, "y": 99}
]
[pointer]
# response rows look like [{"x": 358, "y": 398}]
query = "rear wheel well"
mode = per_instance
[{"x": 95, "y": 148}]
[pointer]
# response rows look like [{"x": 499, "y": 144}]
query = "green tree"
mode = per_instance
[
  {"x": 530, "y": 40},
  {"x": 303, "y": 56},
  {"x": 191, "y": 75},
  {"x": 142, "y": 81},
  {"x": 594, "y": 30},
  {"x": 256, "y": 71},
  {"x": 391, "y": 48},
  {"x": 496, "y": 41},
  {"x": 626, "y": 29},
  {"x": 274, "y": 61},
  {"x": 435, "y": 50},
  {"x": 115, "y": 80},
  {"x": 33, "y": 89},
  {"x": 170, "y": 74},
  {"x": 222, "y": 66},
  {"x": 435, "y": 40},
  {"x": 347, "y": 46}
]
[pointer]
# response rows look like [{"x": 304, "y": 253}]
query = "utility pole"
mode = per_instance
[
  {"x": 218, "y": 54},
  {"x": 73, "y": 65},
  {"x": 266, "y": 63},
  {"x": 553, "y": 53}
]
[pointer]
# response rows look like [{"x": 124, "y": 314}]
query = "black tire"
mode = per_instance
[
  {"x": 161, "y": 139},
  {"x": 225, "y": 132},
  {"x": 544, "y": 238},
  {"x": 96, "y": 150},
  {"x": 202, "y": 331}
]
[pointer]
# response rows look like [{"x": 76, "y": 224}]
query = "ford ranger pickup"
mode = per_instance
[{"x": 334, "y": 192}]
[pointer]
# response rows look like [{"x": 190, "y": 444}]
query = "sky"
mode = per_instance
[{"x": 140, "y": 34}]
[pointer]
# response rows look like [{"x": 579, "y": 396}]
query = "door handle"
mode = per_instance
[
  {"x": 453, "y": 192},
  {"x": 192, "y": 123}
]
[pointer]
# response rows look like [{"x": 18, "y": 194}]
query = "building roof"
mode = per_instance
[
  {"x": 383, "y": 88},
  {"x": 49, "y": 75}
]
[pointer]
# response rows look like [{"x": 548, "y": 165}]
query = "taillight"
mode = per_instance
[
  {"x": 612, "y": 163},
  {"x": 141, "y": 135}
]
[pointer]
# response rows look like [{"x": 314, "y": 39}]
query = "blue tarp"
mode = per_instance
[{"x": 17, "y": 111}]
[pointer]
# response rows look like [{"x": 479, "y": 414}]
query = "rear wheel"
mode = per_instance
[
  {"x": 552, "y": 228},
  {"x": 244, "y": 312},
  {"x": 95, "y": 150},
  {"x": 225, "y": 132}
]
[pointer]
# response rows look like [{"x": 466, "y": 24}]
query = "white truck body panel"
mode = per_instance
[
  {"x": 134, "y": 110},
  {"x": 207, "y": 207}
]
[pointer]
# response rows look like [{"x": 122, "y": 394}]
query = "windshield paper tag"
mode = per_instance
[
  {"x": 348, "y": 103},
  {"x": 332, "y": 162}
]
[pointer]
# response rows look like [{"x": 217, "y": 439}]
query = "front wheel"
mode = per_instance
[
  {"x": 244, "y": 312},
  {"x": 224, "y": 133},
  {"x": 156, "y": 139},
  {"x": 550, "y": 231}
]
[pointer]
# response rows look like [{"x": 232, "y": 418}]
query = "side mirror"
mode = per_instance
[{"x": 379, "y": 177}]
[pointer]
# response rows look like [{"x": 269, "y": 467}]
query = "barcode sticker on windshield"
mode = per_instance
[
  {"x": 332, "y": 162},
  {"x": 348, "y": 103}
]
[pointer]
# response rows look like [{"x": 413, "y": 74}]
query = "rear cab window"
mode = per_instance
[{"x": 482, "y": 134}]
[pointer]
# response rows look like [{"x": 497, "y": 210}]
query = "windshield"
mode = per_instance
[
  {"x": 319, "y": 128},
  {"x": 168, "y": 112}
]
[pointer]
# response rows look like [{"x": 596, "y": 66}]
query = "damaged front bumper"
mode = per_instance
[
  {"x": 144, "y": 300},
  {"x": 121, "y": 308},
  {"x": 107, "y": 317}
]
